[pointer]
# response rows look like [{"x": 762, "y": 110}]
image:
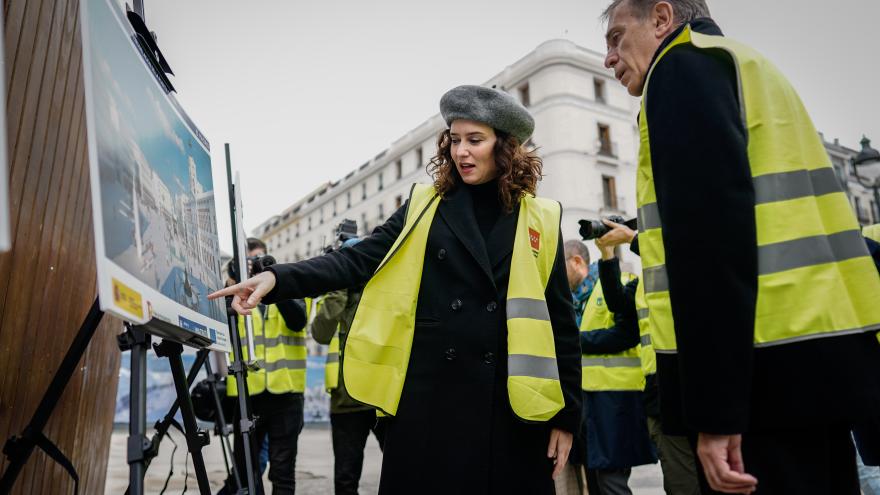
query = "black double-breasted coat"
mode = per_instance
[{"x": 454, "y": 431}]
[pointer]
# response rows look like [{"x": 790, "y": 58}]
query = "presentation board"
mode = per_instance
[{"x": 155, "y": 221}]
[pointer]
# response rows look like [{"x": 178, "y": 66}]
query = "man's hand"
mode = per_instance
[
  {"x": 246, "y": 295},
  {"x": 721, "y": 457},
  {"x": 560, "y": 446},
  {"x": 619, "y": 234}
]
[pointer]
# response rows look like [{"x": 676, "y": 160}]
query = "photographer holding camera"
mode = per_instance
[
  {"x": 351, "y": 421},
  {"x": 276, "y": 388},
  {"x": 614, "y": 417},
  {"x": 675, "y": 453}
]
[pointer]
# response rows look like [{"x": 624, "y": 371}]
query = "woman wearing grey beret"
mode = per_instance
[{"x": 465, "y": 338}]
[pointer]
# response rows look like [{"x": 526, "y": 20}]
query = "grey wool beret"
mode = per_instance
[{"x": 489, "y": 106}]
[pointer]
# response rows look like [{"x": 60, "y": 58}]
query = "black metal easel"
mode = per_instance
[
  {"x": 19, "y": 448},
  {"x": 239, "y": 368}
]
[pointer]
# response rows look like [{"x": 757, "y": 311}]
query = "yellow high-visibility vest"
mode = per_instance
[
  {"x": 872, "y": 232},
  {"x": 280, "y": 354},
  {"x": 331, "y": 367},
  {"x": 377, "y": 349},
  {"x": 646, "y": 346},
  {"x": 809, "y": 242},
  {"x": 621, "y": 371}
]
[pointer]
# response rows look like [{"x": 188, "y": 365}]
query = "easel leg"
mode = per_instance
[
  {"x": 222, "y": 427},
  {"x": 246, "y": 423},
  {"x": 138, "y": 341},
  {"x": 195, "y": 439}
]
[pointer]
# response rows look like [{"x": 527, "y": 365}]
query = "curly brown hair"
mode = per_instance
[{"x": 519, "y": 169}]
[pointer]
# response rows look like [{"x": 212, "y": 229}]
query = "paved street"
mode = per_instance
[{"x": 314, "y": 470}]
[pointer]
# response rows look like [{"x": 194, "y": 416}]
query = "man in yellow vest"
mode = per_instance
[
  {"x": 350, "y": 421},
  {"x": 276, "y": 389},
  {"x": 770, "y": 363},
  {"x": 615, "y": 425}
]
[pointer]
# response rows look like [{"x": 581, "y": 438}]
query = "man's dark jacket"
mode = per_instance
[
  {"x": 454, "y": 431},
  {"x": 718, "y": 382}
]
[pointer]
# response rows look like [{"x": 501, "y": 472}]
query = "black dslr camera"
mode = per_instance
[
  {"x": 256, "y": 264},
  {"x": 594, "y": 229},
  {"x": 347, "y": 229}
]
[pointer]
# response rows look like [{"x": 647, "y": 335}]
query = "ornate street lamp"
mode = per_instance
[{"x": 868, "y": 156}]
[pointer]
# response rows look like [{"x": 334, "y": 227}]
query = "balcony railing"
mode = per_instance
[{"x": 607, "y": 149}]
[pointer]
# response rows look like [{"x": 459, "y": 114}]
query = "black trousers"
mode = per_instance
[
  {"x": 280, "y": 417},
  {"x": 350, "y": 432},
  {"x": 816, "y": 461}
]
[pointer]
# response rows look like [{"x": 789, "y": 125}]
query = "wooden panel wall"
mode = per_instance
[{"x": 47, "y": 280}]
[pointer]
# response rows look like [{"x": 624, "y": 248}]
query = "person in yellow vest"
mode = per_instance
[
  {"x": 350, "y": 421},
  {"x": 872, "y": 239},
  {"x": 615, "y": 424},
  {"x": 276, "y": 389},
  {"x": 769, "y": 364},
  {"x": 674, "y": 451},
  {"x": 465, "y": 334}
]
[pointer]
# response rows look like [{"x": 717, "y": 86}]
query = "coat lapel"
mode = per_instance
[
  {"x": 502, "y": 237},
  {"x": 456, "y": 209}
]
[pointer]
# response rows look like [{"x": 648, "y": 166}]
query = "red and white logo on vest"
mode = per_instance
[{"x": 535, "y": 239}]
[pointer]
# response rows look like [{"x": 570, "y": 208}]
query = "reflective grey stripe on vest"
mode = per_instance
[
  {"x": 521, "y": 307},
  {"x": 655, "y": 279},
  {"x": 809, "y": 251},
  {"x": 281, "y": 339},
  {"x": 783, "y": 186},
  {"x": 612, "y": 362},
  {"x": 649, "y": 217},
  {"x": 532, "y": 366},
  {"x": 646, "y": 339},
  {"x": 786, "y": 255},
  {"x": 291, "y": 364},
  {"x": 644, "y": 313},
  {"x": 834, "y": 333},
  {"x": 333, "y": 357}
]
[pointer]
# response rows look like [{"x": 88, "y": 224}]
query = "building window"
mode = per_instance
[
  {"x": 398, "y": 169},
  {"x": 381, "y": 183},
  {"x": 334, "y": 208},
  {"x": 310, "y": 223},
  {"x": 524, "y": 95},
  {"x": 398, "y": 201},
  {"x": 321, "y": 216},
  {"x": 599, "y": 89},
  {"x": 364, "y": 223},
  {"x": 605, "y": 146},
  {"x": 309, "y": 248},
  {"x": 419, "y": 158},
  {"x": 348, "y": 199},
  {"x": 364, "y": 190},
  {"x": 296, "y": 233},
  {"x": 609, "y": 192},
  {"x": 381, "y": 212}
]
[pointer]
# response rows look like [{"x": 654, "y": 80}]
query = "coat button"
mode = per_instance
[
  {"x": 450, "y": 354},
  {"x": 441, "y": 255},
  {"x": 456, "y": 305},
  {"x": 489, "y": 358},
  {"x": 492, "y": 306}
]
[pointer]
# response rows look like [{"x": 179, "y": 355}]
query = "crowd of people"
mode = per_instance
[{"x": 487, "y": 354}]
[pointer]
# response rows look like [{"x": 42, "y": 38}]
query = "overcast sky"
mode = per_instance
[{"x": 305, "y": 91}]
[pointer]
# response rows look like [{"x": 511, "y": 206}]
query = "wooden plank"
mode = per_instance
[{"x": 51, "y": 228}]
